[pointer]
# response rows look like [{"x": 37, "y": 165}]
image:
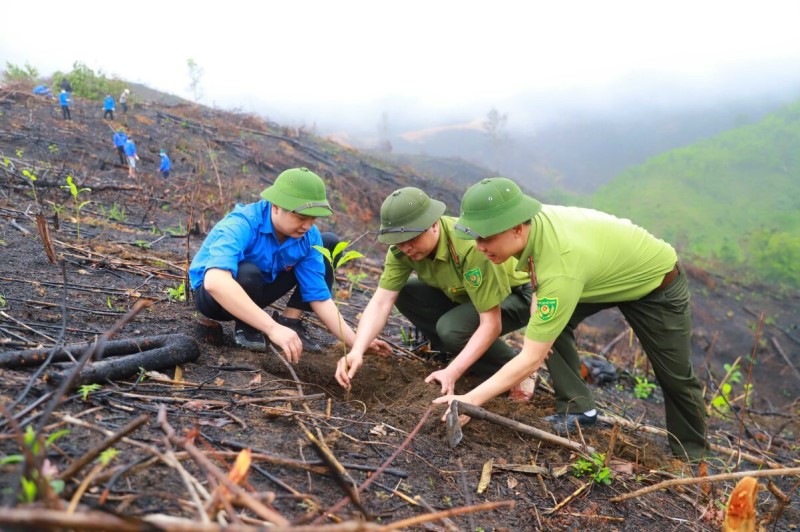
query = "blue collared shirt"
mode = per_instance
[{"x": 246, "y": 235}]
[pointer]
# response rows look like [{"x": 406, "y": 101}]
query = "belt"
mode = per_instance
[{"x": 668, "y": 278}]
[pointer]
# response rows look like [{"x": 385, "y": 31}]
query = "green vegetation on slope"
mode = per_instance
[{"x": 733, "y": 200}]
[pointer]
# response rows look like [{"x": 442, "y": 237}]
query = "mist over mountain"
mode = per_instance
[{"x": 573, "y": 140}]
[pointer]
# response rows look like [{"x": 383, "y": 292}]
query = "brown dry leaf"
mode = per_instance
[
  {"x": 741, "y": 513},
  {"x": 621, "y": 466},
  {"x": 133, "y": 293},
  {"x": 255, "y": 380},
  {"x": 219, "y": 381},
  {"x": 197, "y": 405},
  {"x": 241, "y": 467},
  {"x": 178, "y": 374},
  {"x": 511, "y": 482},
  {"x": 273, "y": 412},
  {"x": 486, "y": 476}
]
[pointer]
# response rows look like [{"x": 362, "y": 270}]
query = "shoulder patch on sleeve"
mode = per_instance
[
  {"x": 396, "y": 251},
  {"x": 474, "y": 277},
  {"x": 546, "y": 308}
]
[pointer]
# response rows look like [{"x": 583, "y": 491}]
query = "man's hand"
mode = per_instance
[
  {"x": 446, "y": 378},
  {"x": 380, "y": 348},
  {"x": 347, "y": 368},
  {"x": 288, "y": 341},
  {"x": 447, "y": 399}
]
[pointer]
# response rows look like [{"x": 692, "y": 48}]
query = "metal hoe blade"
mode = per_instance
[{"x": 454, "y": 433}]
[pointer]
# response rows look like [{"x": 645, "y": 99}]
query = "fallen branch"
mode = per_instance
[{"x": 789, "y": 471}]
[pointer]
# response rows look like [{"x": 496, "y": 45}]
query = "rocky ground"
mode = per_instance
[{"x": 135, "y": 239}]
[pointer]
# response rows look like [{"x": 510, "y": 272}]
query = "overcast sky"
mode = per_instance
[{"x": 307, "y": 60}]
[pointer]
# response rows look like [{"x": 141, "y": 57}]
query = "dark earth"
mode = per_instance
[{"x": 133, "y": 243}]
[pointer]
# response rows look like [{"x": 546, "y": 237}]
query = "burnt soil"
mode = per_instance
[{"x": 231, "y": 398}]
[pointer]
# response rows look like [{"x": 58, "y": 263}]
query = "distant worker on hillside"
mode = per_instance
[
  {"x": 166, "y": 164},
  {"x": 43, "y": 90},
  {"x": 261, "y": 251},
  {"x": 63, "y": 99},
  {"x": 108, "y": 107},
  {"x": 120, "y": 138},
  {"x": 65, "y": 85},
  {"x": 582, "y": 261},
  {"x": 130, "y": 153},
  {"x": 123, "y": 100},
  {"x": 459, "y": 299}
]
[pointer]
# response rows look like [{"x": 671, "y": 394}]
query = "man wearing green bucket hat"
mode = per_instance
[
  {"x": 459, "y": 300},
  {"x": 258, "y": 253},
  {"x": 582, "y": 261}
]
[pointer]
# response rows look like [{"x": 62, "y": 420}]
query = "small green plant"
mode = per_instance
[
  {"x": 31, "y": 441},
  {"x": 53, "y": 149},
  {"x": 86, "y": 389},
  {"x": 3, "y": 302},
  {"x": 115, "y": 213},
  {"x": 355, "y": 278},
  {"x": 142, "y": 244},
  {"x": 594, "y": 466},
  {"x": 447, "y": 501},
  {"x": 76, "y": 193},
  {"x": 643, "y": 388},
  {"x": 32, "y": 178},
  {"x": 176, "y": 231},
  {"x": 177, "y": 293},
  {"x": 20, "y": 152},
  {"x": 336, "y": 260},
  {"x": 407, "y": 342},
  {"x": 733, "y": 372}
]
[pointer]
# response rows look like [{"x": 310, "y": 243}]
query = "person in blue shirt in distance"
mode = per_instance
[
  {"x": 108, "y": 107},
  {"x": 130, "y": 152},
  {"x": 120, "y": 138},
  {"x": 166, "y": 164},
  {"x": 63, "y": 99}
]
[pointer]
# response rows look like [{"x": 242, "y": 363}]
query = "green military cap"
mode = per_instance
[
  {"x": 406, "y": 213},
  {"x": 299, "y": 190},
  {"x": 492, "y": 206}
]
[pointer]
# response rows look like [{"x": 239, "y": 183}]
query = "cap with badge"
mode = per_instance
[
  {"x": 492, "y": 206},
  {"x": 301, "y": 191},
  {"x": 406, "y": 213}
]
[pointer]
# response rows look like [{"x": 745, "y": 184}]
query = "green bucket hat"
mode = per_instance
[
  {"x": 299, "y": 190},
  {"x": 406, "y": 213},
  {"x": 492, "y": 206}
]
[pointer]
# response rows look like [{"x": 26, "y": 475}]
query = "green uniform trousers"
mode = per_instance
[
  {"x": 662, "y": 322},
  {"x": 449, "y": 325}
]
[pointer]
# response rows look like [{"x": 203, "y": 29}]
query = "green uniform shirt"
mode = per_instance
[
  {"x": 469, "y": 276},
  {"x": 586, "y": 256}
]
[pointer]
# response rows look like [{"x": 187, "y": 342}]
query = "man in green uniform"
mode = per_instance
[
  {"x": 459, "y": 300},
  {"x": 582, "y": 261}
]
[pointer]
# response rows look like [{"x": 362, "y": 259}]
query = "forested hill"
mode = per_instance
[{"x": 733, "y": 199}]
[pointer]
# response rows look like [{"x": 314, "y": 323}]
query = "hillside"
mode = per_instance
[
  {"x": 156, "y": 442},
  {"x": 733, "y": 200}
]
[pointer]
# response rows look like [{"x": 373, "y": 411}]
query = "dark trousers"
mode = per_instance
[
  {"x": 263, "y": 294},
  {"x": 124, "y": 107},
  {"x": 122, "y": 158},
  {"x": 662, "y": 322},
  {"x": 449, "y": 325},
  {"x": 108, "y": 113},
  {"x": 165, "y": 174},
  {"x": 65, "y": 112}
]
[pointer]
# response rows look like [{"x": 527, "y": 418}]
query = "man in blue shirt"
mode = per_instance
[
  {"x": 63, "y": 99},
  {"x": 166, "y": 164},
  {"x": 120, "y": 138},
  {"x": 261, "y": 251},
  {"x": 108, "y": 107},
  {"x": 130, "y": 152}
]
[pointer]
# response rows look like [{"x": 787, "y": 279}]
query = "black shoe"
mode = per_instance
[
  {"x": 296, "y": 324},
  {"x": 568, "y": 422},
  {"x": 248, "y": 337}
]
